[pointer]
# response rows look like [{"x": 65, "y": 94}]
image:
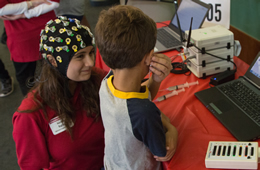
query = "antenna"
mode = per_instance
[
  {"x": 188, "y": 41},
  {"x": 179, "y": 26},
  {"x": 178, "y": 21},
  {"x": 175, "y": 4}
]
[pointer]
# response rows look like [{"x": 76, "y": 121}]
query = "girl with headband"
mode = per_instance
[{"x": 58, "y": 124}]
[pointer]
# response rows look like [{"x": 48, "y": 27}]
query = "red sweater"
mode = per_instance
[
  {"x": 23, "y": 35},
  {"x": 37, "y": 147}
]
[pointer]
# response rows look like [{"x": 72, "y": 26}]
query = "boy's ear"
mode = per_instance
[
  {"x": 148, "y": 57},
  {"x": 52, "y": 60}
]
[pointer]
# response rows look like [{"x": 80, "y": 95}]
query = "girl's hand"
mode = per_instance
[{"x": 160, "y": 66}]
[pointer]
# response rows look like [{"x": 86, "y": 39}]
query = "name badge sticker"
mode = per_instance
[{"x": 57, "y": 126}]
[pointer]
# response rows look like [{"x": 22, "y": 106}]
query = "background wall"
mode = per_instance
[
  {"x": 245, "y": 24},
  {"x": 245, "y": 16}
]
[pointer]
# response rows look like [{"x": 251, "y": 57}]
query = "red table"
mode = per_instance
[{"x": 195, "y": 124}]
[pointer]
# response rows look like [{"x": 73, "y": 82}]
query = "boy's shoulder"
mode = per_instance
[
  {"x": 135, "y": 104},
  {"x": 142, "y": 109}
]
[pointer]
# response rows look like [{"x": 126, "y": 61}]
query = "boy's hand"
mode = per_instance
[
  {"x": 171, "y": 145},
  {"x": 171, "y": 136},
  {"x": 160, "y": 66}
]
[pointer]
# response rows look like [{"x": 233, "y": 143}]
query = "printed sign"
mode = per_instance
[{"x": 219, "y": 12}]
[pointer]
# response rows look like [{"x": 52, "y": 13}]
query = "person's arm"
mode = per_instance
[
  {"x": 14, "y": 9},
  {"x": 160, "y": 67},
  {"x": 20, "y": 8},
  {"x": 147, "y": 126},
  {"x": 30, "y": 142},
  {"x": 12, "y": 17},
  {"x": 171, "y": 135},
  {"x": 26, "y": 9},
  {"x": 41, "y": 9}
]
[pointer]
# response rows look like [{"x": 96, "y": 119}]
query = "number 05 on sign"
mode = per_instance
[{"x": 219, "y": 12}]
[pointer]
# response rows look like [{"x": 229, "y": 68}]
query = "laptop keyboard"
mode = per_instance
[
  {"x": 245, "y": 98},
  {"x": 167, "y": 39}
]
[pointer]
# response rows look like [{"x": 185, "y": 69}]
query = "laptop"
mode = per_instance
[
  {"x": 169, "y": 37},
  {"x": 236, "y": 104}
]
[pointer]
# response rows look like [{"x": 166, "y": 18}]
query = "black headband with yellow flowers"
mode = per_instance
[{"x": 62, "y": 38}]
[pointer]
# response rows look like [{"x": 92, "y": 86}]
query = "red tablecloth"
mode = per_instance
[{"x": 195, "y": 124}]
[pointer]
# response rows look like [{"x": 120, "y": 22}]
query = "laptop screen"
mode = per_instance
[
  {"x": 256, "y": 68},
  {"x": 191, "y": 8},
  {"x": 253, "y": 73}
]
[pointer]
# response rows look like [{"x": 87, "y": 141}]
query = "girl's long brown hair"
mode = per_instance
[{"x": 51, "y": 90}]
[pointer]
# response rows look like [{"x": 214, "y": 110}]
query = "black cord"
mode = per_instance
[
  {"x": 173, "y": 58},
  {"x": 210, "y": 85},
  {"x": 179, "y": 68},
  {"x": 204, "y": 52},
  {"x": 187, "y": 74},
  {"x": 216, "y": 56}
]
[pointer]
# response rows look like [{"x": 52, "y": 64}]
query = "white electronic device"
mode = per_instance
[
  {"x": 210, "y": 38},
  {"x": 217, "y": 41},
  {"x": 232, "y": 155},
  {"x": 203, "y": 59},
  {"x": 210, "y": 68}
]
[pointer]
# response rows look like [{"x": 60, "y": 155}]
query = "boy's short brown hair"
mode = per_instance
[{"x": 124, "y": 35}]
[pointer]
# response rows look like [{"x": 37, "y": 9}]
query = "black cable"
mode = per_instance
[
  {"x": 204, "y": 52},
  {"x": 179, "y": 68},
  {"x": 210, "y": 85},
  {"x": 173, "y": 58},
  {"x": 187, "y": 74}
]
